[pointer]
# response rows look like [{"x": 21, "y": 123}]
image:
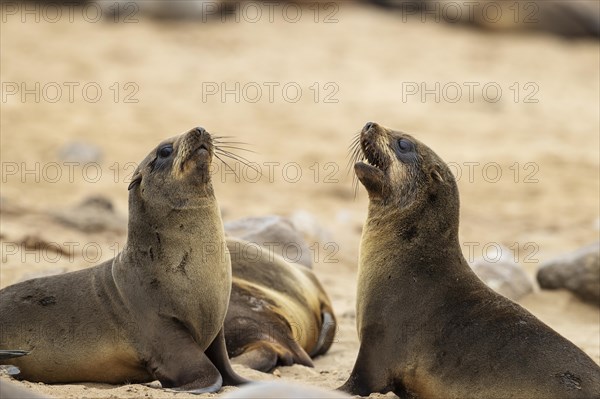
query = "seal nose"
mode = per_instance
[
  {"x": 369, "y": 126},
  {"x": 200, "y": 131},
  {"x": 198, "y": 135}
]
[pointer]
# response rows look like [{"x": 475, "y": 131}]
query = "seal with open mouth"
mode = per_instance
[
  {"x": 156, "y": 310},
  {"x": 428, "y": 327}
]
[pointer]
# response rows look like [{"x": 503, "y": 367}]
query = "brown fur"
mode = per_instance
[
  {"x": 429, "y": 328},
  {"x": 279, "y": 313},
  {"x": 156, "y": 310}
]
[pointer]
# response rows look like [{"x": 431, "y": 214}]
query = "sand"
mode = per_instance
[{"x": 363, "y": 67}]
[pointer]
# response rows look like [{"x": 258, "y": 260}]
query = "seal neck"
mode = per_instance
[
  {"x": 417, "y": 237},
  {"x": 174, "y": 232}
]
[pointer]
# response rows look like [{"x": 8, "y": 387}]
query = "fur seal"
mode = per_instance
[
  {"x": 428, "y": 327},
  {"x": 155, "y": 311},
  {"x": 278, "y": 314}
]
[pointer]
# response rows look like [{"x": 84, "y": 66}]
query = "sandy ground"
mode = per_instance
[{"x": 364, "y": 66}]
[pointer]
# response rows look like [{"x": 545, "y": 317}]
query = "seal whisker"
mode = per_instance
[
  {"x": 354, "y": 156},
  {"x": 222, "y": 137},
  {"x": 232, "y": 142},
  {"x": 247, "y": 161},
  {"x": 354, "y": 141},
  {"x": 227, "y": 165},
  {"x": 239, "y": 159},
  {"x": 354, "y": 147},
  {"x": 236, "y": 148},
  {"x": 355, "y": 187}
]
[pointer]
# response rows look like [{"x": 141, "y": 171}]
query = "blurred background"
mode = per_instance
[{"x": 506, "y": 92}]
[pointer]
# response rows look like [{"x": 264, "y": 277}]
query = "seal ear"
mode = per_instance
[
  {"x": 435, "y": 173},
  {"x": 135, "y": 180}
]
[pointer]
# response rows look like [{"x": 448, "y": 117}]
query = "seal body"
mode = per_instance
[
  {"x": 156, "y": 310},
  {"x": 279, "y": 313},
  {"x": 428, "y": 327}
]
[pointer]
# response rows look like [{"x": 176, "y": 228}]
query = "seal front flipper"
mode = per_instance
[
  {"x": 179, "y": 363},
  {"x": 187, "y": 370},
  {"x": 217, "y": 353},
  {"x": 9, "y": 354},
  {"x": 365, "y": 378}
]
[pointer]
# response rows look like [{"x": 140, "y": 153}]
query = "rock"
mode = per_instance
[
  {"x": 308, "y": 224},
  {"x": 80, "y": 152},
  {"x": 37, "y": 243},
  {"x": 275, "y": 233},
  {"x": 504, "y": 276},
  {"x": 578, "y": 272},
  {"x": 560, "y": 17},
  {"x": 8, "y": 207},
  {"x": 283, "y": 390},
  {"x": 94, "y": 214},
  {"x": 131, "y": 11}
]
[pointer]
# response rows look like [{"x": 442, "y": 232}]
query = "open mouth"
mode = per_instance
[{"x": 372, "y": 156}]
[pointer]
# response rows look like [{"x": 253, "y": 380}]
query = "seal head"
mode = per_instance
[
  {"x": 178, "y": 171},
  {"x": 408, "y": 184}
]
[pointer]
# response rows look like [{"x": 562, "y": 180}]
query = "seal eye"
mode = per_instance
[
  {"x": 404, "y": 145},
  {"x": 165, "y": 151}
]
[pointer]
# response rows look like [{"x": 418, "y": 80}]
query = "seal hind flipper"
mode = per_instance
[
  {"x": 217, "y": 353},
  {"x": 9, "y": 354},
  {"x": 261, "y": 358},
  {"x": 326, "y": 335},
  {"x": 265, "y": 356}
]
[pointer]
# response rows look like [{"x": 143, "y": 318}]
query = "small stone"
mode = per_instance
[
  {"x": 276, "y": 233},
  {"x": 505, "y": 276},
  {"x": 94, "y": 214},
  {"x": 578, "y": 272},
  {"x": 37, "y": 243},
  {"x": 80, "y": 152},
  {"x": 349, "y": 314},
  {"x": 166, "y": 10},
  {"x": 309, "y": 225}
]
